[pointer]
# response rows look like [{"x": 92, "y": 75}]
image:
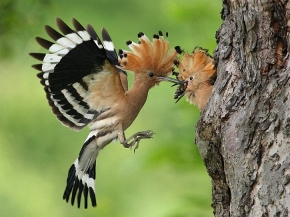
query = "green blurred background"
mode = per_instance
[{"x": 165, "y": 177}]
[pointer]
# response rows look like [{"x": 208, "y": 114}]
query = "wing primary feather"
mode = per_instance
[
  {"x": 53, "y": 33},
  {"x": 92, "y": 33},
  {"x": 38, "y": 67},
  {"x": 44, "y": 43},
  {"x": 40, "y": 75},
  {"x": 65, "y": 29},
  {"x": 77, "y": 25},
  {"x": 38, "y": 56},
  {"x": 105, "y": 35},
  {"x": 109, "y": 47}
]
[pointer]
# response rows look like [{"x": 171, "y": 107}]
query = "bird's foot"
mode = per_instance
[{"x": 135, "y": 139}]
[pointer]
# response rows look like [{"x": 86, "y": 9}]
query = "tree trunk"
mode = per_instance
[{"x": 243, "y": 134}]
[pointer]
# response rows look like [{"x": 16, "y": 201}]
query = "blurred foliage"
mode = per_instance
[
  {"x": 165, "y": 177},
  {"x": 16, "y": 18}
]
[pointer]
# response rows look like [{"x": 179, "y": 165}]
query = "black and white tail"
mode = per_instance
[
  {"x": 75, "y": 60},
  {"x": 83, "y": 183},
  {"x": 82, "y": 174}
]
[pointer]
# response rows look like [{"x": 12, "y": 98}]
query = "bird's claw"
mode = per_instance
[{"x": 148, "y": 134}]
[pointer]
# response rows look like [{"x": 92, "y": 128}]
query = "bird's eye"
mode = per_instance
[
  {"x": 191, "y": 78},
  {"x": 151, "y": 74}
]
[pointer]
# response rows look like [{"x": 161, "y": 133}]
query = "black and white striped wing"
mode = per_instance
[{"x": 73, "y": 61}]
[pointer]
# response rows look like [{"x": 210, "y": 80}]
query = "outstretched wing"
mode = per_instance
[{"x": 76, "y": 71}]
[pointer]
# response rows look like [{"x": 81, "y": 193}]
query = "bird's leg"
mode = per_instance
[{"x": 134, "y": 139}]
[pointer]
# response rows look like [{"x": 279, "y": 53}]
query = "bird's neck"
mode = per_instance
[
  {"x": 137, "y": 94},
  {"x": 136, "y": 97}
]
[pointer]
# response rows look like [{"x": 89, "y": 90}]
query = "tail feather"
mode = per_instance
[
  {"x": 86, "y": 197},
  {"x": 81, "y": 184},
  {"x": 92, "y": 176},
  {"x": 79, "y": 198},
  {"x": 82, "y": 174},
  {"x": 74, "y": 191},
  {"x": 70, "y": 182}
]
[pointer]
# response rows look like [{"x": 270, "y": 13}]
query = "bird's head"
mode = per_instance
[
  {"x": 198, "y": 72},
  {"x": 151, "y": 61}
]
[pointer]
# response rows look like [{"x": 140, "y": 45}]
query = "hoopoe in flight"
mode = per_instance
[
  {"x": 198, "y": 73},
  {"x": 86, "y": 84}
]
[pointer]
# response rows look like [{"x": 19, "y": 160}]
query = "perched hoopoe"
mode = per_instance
[
  {"x": 198, "y": 72},
  {"x": 85, "y": 84}
]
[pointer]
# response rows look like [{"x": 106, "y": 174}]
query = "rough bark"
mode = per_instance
[{"x": 243, "y": 134}]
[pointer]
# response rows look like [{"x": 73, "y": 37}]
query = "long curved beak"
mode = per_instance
[{"x": 172, "y": 80}]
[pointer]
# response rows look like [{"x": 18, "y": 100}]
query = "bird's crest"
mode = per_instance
[
  {"x": 146, "y": 55},
  {"x": 197, "y": 62},
  {"x": 195, "y": 69}
]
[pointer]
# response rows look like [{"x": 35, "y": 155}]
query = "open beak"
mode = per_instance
[{"x": 172, "y": 80}]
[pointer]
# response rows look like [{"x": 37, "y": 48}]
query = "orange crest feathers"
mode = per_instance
[
  {"x": 149, "y": 56},
  {"x": 198, "y": 72},
  {"x": 197, "y": 62}
]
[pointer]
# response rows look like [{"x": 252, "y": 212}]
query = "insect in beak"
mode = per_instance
[{"x": 180, "y": 90}]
